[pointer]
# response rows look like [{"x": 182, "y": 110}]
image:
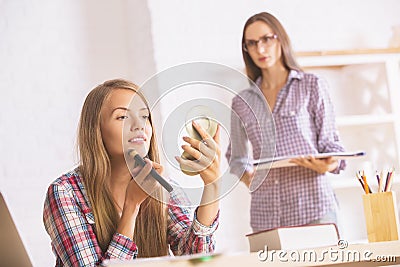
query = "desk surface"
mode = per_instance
[{"x": 372, "y": 254}]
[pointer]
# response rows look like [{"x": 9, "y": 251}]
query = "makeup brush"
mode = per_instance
[{"x": 153, "y": 173}]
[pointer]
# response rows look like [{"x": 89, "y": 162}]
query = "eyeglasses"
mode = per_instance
[{"x": 266, "y": 41}]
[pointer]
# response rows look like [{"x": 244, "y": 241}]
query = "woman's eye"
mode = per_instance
[
  {"x": 146, "y": 117},
  {"x": 122, "y": 117},
  {"x": 265, "y": 39},
  {"x": 251, "y": 43}
]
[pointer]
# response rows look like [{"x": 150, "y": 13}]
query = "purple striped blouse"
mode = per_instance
[{"x": 304, "y": 124}]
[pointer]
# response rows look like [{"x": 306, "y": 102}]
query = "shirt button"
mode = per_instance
[
  {"x": 292, "y": 113},
  {"x": 276, "y": 182}
]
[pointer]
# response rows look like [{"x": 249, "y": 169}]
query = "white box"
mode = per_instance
[{"x": 295, "y": 237}]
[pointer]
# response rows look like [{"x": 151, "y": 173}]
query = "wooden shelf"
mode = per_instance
[
  {"x": 347, "y": 57},
  {"x": 348, "y": 52}
]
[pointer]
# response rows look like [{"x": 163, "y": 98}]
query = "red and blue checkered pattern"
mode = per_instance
[{"x": 69, "y": 221}]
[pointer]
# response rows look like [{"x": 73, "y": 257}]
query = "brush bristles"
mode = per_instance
[{"x": 132, "y": 152}]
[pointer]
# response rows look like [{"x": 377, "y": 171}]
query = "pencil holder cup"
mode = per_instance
[{"x": 381, "y": 216}]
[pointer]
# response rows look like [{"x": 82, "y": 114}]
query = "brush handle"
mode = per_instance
[{"x": 139, "y": 160}]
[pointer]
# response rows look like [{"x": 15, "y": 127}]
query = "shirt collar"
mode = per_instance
[{"x": 293, "y": 74}]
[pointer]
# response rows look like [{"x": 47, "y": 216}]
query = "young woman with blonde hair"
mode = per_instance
[{"x": 99, "y": 211}]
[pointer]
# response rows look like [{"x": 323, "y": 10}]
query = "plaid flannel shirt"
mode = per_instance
[
  {"x": 69, "y": 221},
  {"x": 304, "y": 125}
]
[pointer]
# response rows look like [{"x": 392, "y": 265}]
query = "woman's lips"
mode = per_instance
[
  {"x": 137, "y": 140},
  {"x": 262, "y": 59}
]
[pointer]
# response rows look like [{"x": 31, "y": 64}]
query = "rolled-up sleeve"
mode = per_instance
[
  {"x": 187, "y": 236},
  {"x": 327, "y": 133},
  {"x": 238, "y": 154},
  {"x": 121, "y": 247},
  {"x": 73, "y": 238}
]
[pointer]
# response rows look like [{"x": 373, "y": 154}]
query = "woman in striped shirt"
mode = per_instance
[{"x": 300, "y": 120}]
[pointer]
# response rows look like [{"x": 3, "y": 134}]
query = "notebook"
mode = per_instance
[{"x": 12, "y": 250}]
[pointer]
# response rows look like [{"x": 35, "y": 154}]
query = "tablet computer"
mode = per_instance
[{"x": 284, "y": 161}]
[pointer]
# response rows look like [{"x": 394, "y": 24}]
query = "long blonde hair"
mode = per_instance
[
  {"x": 288, "y": 58},
  {"x": 150, "y": 233}
]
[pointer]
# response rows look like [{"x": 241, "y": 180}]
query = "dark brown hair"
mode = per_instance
[{"x": 288, "y": 58}]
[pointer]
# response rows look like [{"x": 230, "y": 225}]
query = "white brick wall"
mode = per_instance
[{"x": 52, "y": 53}]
